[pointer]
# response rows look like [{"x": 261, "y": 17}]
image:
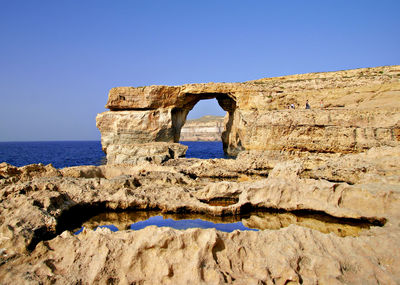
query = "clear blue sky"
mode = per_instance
[{"x": 58, "y": 59}]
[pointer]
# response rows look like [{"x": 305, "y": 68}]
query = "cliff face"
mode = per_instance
[
  {"x": 207, "y": 128},
  {"x": 350, "y": 111}
]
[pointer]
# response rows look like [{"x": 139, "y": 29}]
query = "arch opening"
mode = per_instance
[{"x": 213, "y": 128}]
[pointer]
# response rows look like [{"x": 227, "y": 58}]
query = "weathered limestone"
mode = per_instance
[
  {"x": 318, "y": 130},
  {"x": 351, "y": 111},
  {"x": 38, "y": 203},
  {"x": 137, "y": 153},
  {"x": 130, "y": 127},
  {"x": 149, "y": 97},
  {"x": 339, "y": 161}
]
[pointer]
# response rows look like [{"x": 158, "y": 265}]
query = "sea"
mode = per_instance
[{"x": 74, "y": 153}]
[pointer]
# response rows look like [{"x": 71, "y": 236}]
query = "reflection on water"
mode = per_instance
[
  {"x": 323, "y": 223},
  {"x": 224, "y": 202},
  {"x": 136, "y": 220}
]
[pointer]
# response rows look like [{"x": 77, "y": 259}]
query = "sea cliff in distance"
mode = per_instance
[{"x": 206, "y": 128}]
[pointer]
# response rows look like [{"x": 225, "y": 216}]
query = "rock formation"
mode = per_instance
[
  {"x": 40, "y": 205},
  {"x": 207, "y": 128},
  {"x": 326, "y": 181},
  {"x": 351, "y": 111}
]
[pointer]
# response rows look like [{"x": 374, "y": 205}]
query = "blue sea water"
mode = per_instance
[
  {"x": 73, "y": 153},
  {"x": 204, "y": 150},
  {"x": 59, "y": 153}
]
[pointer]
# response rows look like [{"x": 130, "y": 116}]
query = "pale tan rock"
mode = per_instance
[
  {"x": 12, "y": 174},
  {"x": 351, "y": 111},
  {"x": 89, "y": 171},
  {"x": 166, "y": 256},
  {"x": 157, "y": 152},
  {"x": 351, "y": 176},
  {"x": 130, "y": 127},
  {"x": 357, "y": 88},
  {"x": 148, "y": 97},
  {"x": 289, "y": 249},
  {"x": 334, "y": 131},
  {"x": 123, "y": 131},
  {"x": 376, "y": 165}
]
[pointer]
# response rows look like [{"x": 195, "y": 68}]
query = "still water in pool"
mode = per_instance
[
  {"x": 137, "y": 220},
  {"x": 183, "y": 224}
]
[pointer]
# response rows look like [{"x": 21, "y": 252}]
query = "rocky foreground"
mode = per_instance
[
  {"x": 38, "y": 203},
  {"x": 321, "y": 184}
]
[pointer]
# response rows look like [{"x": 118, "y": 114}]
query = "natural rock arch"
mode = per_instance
[
  {"x": 145, "y": 122},
  {"x": 226, "y": 102}
]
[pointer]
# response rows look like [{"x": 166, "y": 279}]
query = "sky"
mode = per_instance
[{"x": 58, "y": 59}]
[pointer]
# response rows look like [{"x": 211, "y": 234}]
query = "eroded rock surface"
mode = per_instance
[
  {"x": 338, "y": 160},
  {"x": 351, "y": 111},
  {"x": 39, "y": 205},
  {"x": 136, "y": 153}
]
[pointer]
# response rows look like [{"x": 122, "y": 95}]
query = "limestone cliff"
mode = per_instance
[
  {"x": 207, "y": 128},
  {"x": 351, "y": 111}
]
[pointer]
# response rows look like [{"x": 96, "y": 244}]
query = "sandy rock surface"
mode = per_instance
[{"x": 41, "y": 206}]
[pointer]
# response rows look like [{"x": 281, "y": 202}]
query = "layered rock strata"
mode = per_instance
[
  {"x": 207, "y": 128},
  {"x": 39, "y": 204},
  {"x": 137, "y": 153},
  {"x": 351, "y": 111}
]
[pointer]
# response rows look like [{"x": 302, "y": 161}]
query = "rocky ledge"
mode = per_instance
[{"x": 40, "y": 205}]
